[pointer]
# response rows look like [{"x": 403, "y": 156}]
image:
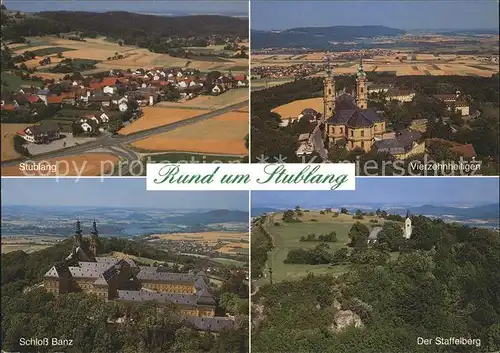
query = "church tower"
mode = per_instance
[
  {"x": 93, "y": 239},
  {"x": 361, "y": 91},
  {"x": 78, "y": 238},
  {"x": 328, "y": 94},
  {"x": 408, "y": 227}
]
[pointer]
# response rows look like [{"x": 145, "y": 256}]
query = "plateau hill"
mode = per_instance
[{"x": 318, "y": 37}]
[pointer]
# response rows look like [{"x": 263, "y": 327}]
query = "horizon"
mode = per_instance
[
  {"x": 115, "y": 192},
  {"x": 124, "y": 207},
  {"x": 167, "y": 9},
  {"x": 405, "y": 15},
  {"x": 406, "y": 191}
]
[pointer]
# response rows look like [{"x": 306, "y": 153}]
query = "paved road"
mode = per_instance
[{"x": 108, "y": 142}]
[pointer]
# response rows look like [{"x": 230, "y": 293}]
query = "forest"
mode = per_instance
[
  {"x": 29, "y": 311},
  {"x": 147, "y": 31},
  {"x": 443, "y": 283}
]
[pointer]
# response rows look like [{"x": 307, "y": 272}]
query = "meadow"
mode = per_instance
[{"x": 286, "y": 236}]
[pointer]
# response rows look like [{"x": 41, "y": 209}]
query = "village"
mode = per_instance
[{"x": 75, "y": 110}]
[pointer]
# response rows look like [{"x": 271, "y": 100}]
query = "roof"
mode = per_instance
[
  {"x": 108, "y": 81},
  {"x": 213, "y": 324},
  {"x": 142, "y": 295},
  {"x": 54, "y": 99},
  {"x": 355, "y": 118},
  {"x": 9, "y": 107},
  {"x": 396, "y": 92},
  {"x": 464, "y": 150},
  {"x": 44, "y": 128},
  {"x": 401, "y": 143},
  {"x": 446, "y": 96},
  {"x": 166, "y": 276}
]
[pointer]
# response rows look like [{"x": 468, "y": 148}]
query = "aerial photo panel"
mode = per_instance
[
  {"x": 101, "y": 88},
  {"x": 397, "y": 87}
]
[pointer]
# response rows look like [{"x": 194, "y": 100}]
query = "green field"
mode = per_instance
[
  {"x": 239, "y": 68},
  {"x": 50, "y": 51},
  {"x": 13, "y": 82},
  {"x": 286, "y": 237},
  {"x": 262, "y": 83}
]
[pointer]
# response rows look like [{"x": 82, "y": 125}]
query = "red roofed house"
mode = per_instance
[
  {"x": 9, "y": 107},
  {"x": 464, "y": 150},
  {"x": 241, "y": 80},
  {"x": 54, "y": 100},
  {"x": 109, "y": 81},
  {"x": 43, "y": 133}
]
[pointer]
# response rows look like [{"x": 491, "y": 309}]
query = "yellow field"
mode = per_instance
[
  {"x": 293, "y": 109},
  {"x": 156, "y": 116},
  {"x": 206, "y": 237},
  {"x": 8, "y": 133},
  {"x": 100, "y": 49},
  {"x": 455, "y": 65},
  {"x": 232, "y": 247},
  {"x": 90, "y": 164},
  {"x": 221, "y": 135}
]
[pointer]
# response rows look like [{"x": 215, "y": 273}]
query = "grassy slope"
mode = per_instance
[{"x": 287, "y": 235}]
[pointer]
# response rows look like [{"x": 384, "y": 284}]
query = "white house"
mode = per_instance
[
  {"x": 217, "y": 89},
  {"x": 400, "y": 95},
  {"x": 123, "y": 106},
  {"x": 86, "y": 127},
  {"x": 462, "y": 107},
  {"x": 104, "y": 117},
  {"x": 110, "y": 89}
]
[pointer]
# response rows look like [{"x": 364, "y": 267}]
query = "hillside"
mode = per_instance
[
  {"x": 132, "y": 28},
  {"x": 318, "y": 37}
]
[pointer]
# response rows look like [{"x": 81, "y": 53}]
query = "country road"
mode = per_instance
[{"x": 114, "y": 144}]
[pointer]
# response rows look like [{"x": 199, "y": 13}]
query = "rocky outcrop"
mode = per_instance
[{"x": 345, "y": 318}]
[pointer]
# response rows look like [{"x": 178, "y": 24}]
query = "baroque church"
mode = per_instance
[
  {"x": 348, "y": 117},
  {"x": 122, "y": 279},
  {"x": 345, "y": 117}
]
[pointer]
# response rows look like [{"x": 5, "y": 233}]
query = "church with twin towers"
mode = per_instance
[{"x": 347, "y": 117}]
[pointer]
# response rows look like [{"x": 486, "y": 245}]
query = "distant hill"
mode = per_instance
[
  {"x": 132, "y": 28},
  {"x": 490, "y": 211},
  {"x": 123, "y": 24},
  {"x": 318, "y": 37}
]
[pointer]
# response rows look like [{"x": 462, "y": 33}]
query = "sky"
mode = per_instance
[
  {"x": 113, "y": 192},
  {"x": 403, "y": 191},
  {"x": 406, "y": 15},
  {"x": 139, "y": 6}
]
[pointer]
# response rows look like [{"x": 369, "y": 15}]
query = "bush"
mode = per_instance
[{"x": 19, "y": 146}]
